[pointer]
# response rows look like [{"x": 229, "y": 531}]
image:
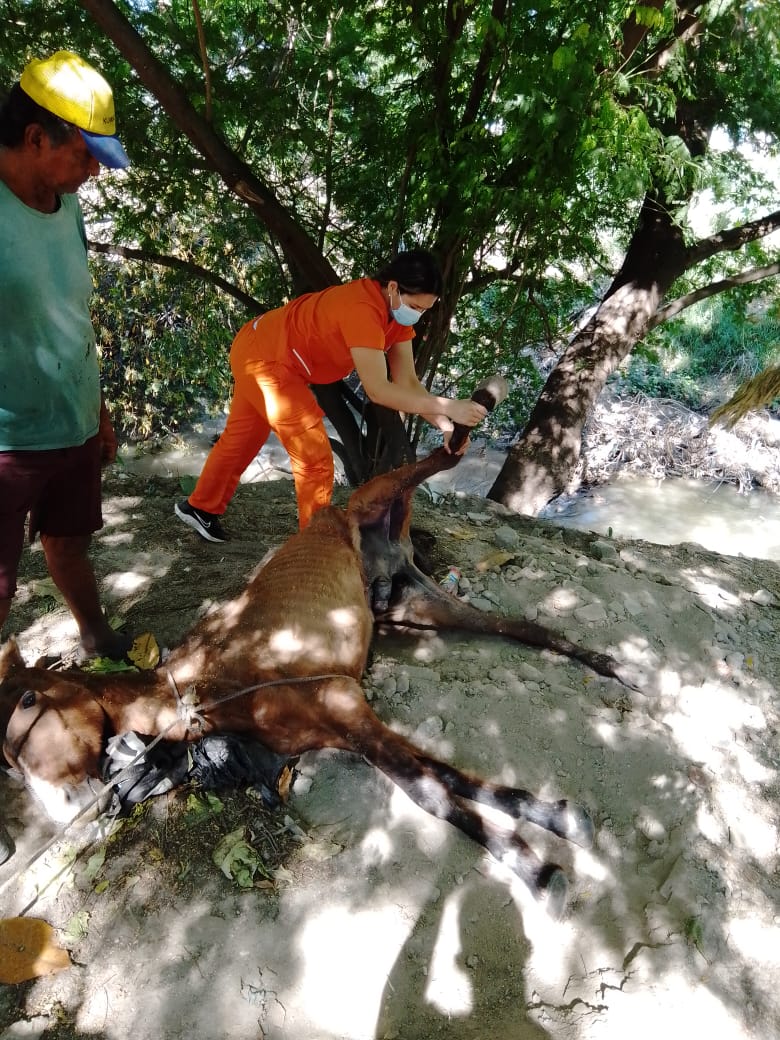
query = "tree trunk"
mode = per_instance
[
  {"x": 542, "y": 464},
  {"x": 384, "y": 444}
]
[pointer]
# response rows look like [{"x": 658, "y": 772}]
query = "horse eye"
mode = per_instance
[{"x": 28, "y": 699}]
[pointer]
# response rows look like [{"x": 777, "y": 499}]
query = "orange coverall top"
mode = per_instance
[{"x": 315, "y": 333}]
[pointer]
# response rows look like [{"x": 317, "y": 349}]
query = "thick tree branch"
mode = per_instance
[
  {"x": 177, "y": 263},
  {"x": 310, "y": 268},
  {"x": 634, "y": 33},
  {"x": 731, "y": 239},
  {"x": 479, "y": 82},
  {"x": 672, "y": 309},
  {"x": 204, "y": 57},
  {"x": 687, "y": 26}
]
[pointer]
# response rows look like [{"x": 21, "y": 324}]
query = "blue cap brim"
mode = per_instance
[{"x": 107, "y": 150}]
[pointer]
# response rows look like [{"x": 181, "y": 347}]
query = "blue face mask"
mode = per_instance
[{"x": 404, "y": 314}]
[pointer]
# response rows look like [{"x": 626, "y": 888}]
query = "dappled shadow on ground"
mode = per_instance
[{"x": 383, "y": 922}]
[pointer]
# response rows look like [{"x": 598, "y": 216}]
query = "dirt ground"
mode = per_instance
[{"x": 366, "y": 918}]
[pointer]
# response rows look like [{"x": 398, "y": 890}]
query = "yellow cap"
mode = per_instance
[{"x": 70, "y": 88}]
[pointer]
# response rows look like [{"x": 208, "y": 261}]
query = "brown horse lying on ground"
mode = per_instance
[{"x": 281, "y": 664}]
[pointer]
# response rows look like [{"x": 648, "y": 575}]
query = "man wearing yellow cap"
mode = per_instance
[{"x": 56, "y": 130}]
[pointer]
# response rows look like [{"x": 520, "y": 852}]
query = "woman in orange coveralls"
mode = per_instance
[{"x": 320, "y": 338}]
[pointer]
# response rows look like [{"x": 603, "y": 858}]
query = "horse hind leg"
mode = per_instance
[
  {"x": 345, "y": 720},
  {"x": 435, "y": 788},
  {"x": 563, "y": 818},
  {"x": 546, "y": 880}
]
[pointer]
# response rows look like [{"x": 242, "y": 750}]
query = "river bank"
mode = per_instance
[{"x": 378, "y": 921}]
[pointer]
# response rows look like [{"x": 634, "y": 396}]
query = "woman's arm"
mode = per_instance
[{"x": 406, "y": 393}]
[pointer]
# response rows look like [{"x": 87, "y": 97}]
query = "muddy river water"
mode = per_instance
[
  {"x": 668, "y": 511},
  {"x": 716, "y": 516}
]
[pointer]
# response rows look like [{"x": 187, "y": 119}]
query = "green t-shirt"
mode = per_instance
[{"x": 49, "y": 380}]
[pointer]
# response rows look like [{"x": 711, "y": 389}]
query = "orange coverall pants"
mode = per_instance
[{"x": 269, "y": 395}]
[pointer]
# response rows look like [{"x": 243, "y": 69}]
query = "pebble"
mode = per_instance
[
  {"x": 650, "y": 827},
  {"x": 604, "y": 550},
  {"x": 506, "y": 537},
  {"x": 592, "y": 740},
  {"x": 430, "y": 729},
  {"x": 527, "y": 671},
  {"x": 591, "y": 612},
  {"x": 502, "y": 675},
  {"x": 764, "y": 598}
]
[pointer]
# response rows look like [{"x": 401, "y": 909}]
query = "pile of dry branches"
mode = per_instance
[{"x": 662, "y": 438}]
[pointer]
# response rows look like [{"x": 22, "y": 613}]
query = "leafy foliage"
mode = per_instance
[
  {"x": 163, "y": 343},
  {"x": 724, "y": 341},
  {"x": 516, "y": 140},
  {"x": 718, "y": 338}
]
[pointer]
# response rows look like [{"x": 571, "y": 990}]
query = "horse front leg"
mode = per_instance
[{"x": 384, "y": 503}]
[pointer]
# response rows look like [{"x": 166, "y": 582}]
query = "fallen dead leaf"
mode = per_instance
[
  {"x": 698, "y": 776},
  {"x": 495, "y": 559},
  {"x": 43, "y": 587},
  {"x": 459, "y": 532},
  {"x": 144, "y": 653},
  {"x": 28, "y": 949}
]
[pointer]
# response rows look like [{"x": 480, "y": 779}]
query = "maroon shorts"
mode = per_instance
[{"x": 59, "y": 489}]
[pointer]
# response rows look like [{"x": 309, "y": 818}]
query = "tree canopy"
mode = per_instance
[{"x": 278, "y": 148}]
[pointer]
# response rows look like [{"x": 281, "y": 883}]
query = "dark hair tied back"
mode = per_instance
[{"x": 416, "y": 272}]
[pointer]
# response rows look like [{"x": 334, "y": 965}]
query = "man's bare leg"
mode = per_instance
[{"x": 71, "y": 569}]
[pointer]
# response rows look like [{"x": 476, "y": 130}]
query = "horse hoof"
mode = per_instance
[
  {"x": 7, "y": 847},
  {"x": 551, "y": 890},
  {"x": 576, "y": 825},
  {"x": 631, "y": 677}
]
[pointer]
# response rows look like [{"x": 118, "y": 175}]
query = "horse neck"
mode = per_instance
[{"x": 131, "y": 701}]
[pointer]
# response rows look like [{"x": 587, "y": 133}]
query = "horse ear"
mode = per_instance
[{"x": 10, "y": 658}]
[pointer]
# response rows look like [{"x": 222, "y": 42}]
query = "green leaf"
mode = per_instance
[
  {"x": 95, "y": 864},
  {"x": 77, "y": 927},
  {"x": 187, "y": 484},
  {"x": 238, "y": 860},
  {"x": 106, "y": 666},
  {"x": 649, "y": 16},
  {"x": 563, "y": 58},
  {"x": 202, "y": 806}
]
